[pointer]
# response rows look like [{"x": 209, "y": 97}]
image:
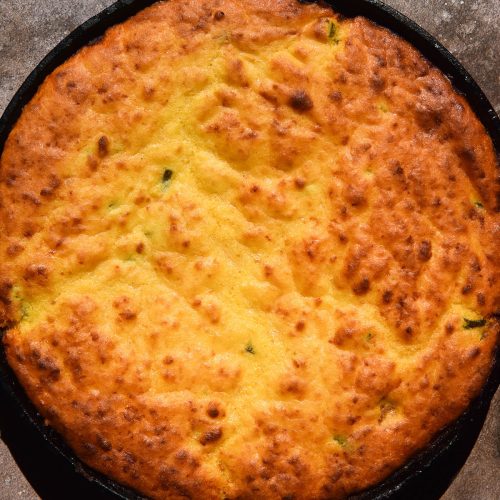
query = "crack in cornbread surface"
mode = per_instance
[{"x": 249, "y": 250}]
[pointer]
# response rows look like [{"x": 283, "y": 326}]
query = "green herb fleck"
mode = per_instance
[
  {"x": 332, "y": 32},
  {"x": 249, "y": 348},
  {"x": 24, "y": 311},
  {"x": 478, "y": 204},
  {"x": 341, "y": 440},
  {"x": 16, "y": 292},
  {"x": 167, "y": 175},
  {"x": 386, "y": 406},
  {"x": 469, "y": 324},
  {"x": 369, "y": 336},
  {"x": 24, "y": 307},
  {"x": 223, "y": 39},
  {"x": 112, "y": 204},
  {"x": 383, "y": 107}
]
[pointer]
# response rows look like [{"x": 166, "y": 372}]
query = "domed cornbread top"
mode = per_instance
[{"x": 249, "y": 250}]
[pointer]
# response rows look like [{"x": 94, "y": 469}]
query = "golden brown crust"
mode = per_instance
[{"x": 250, "y": 250}]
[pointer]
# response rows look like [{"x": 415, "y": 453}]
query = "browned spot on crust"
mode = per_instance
[
  {"x": 362, "y": 287},
  {"x": 355, "y": 195},
  {"x": 214, "y": 410},
  {"x": 31, "y": 198},
  {"x": 103, "y": 146},
  {"x": 128, "y": 314},
  {"x": 292, "y": 384},
  {"x": 103, "y": 443},
  {"x": 211, "y": 436},
  {"x": 473, "y": 352},
  {"x": 54, "y": 183},
  {"x": 301, "y": 101},
  {"x": 387, "y": 297},
  {"x": 300, "y": 325},
  {"x": 168, "y": 360},
  {"x": 125, "y": 310},
  {"x": 52, "y": 372},
  {"x": 335, "y": 96},
  {"x": 14, "y": 249},
  {"x": 36, "y": 272},
  {"x": 377, "y": 83},
  {"x": 425, "y": 251},
  {"x": 92, "y": 163},
  {"x": 299, "y": 183}
]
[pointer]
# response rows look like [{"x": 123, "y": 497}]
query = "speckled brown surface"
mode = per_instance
[{"x": 30, "y": 28}]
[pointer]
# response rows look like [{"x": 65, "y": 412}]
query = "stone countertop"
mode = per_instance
[{"x": 468, "y": 28}]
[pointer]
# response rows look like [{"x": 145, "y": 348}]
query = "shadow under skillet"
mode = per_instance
[{"x": 50, "y": 475}]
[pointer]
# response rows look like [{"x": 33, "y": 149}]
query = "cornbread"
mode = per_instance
[{"x": 249, "y": 250}]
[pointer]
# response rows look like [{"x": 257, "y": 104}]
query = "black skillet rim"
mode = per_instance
[{"x": 90, "y": 31}]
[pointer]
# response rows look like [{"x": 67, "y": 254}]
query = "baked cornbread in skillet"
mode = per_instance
[{"x": 249, "y": 251}]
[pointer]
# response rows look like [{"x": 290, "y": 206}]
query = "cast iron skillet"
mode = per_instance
[{"x": 427, "y": 475}]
